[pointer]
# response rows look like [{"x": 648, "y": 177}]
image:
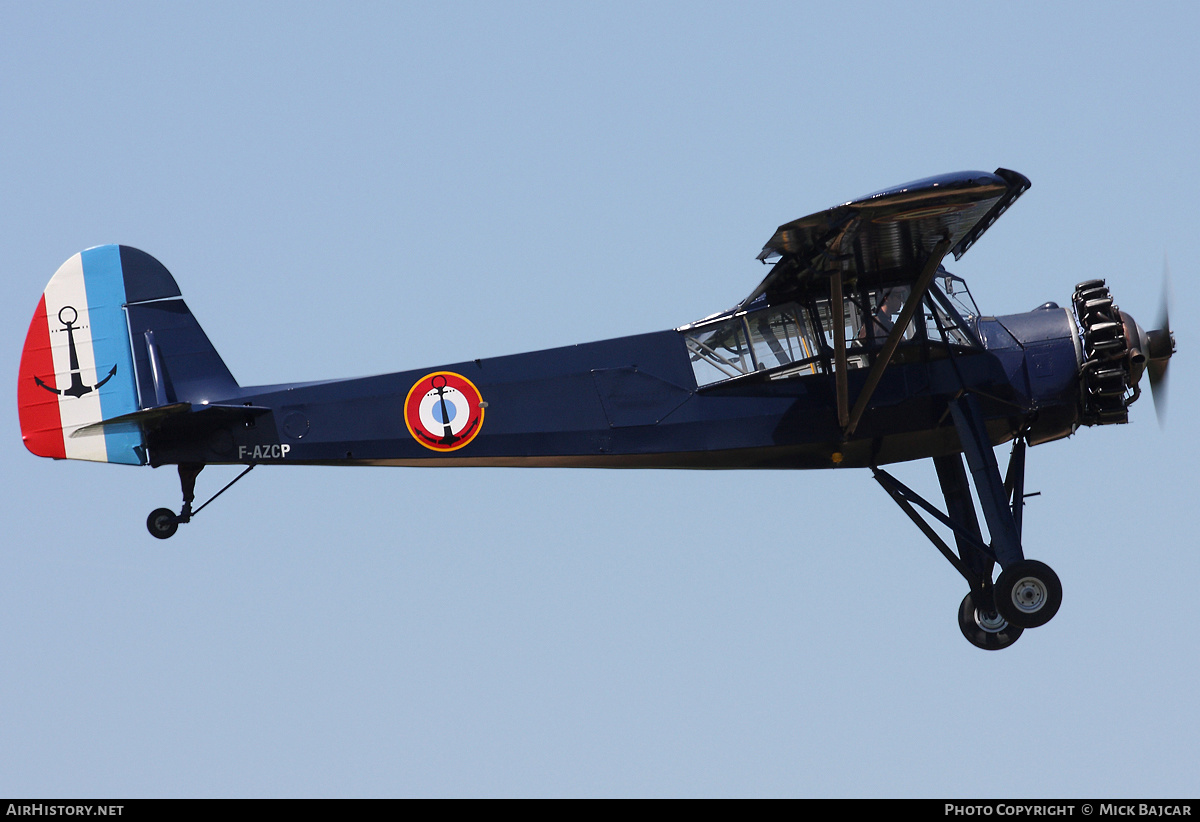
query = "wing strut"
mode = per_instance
[
  {"x": 839, "y": 347},
  {"x": 920, "y": 286}
]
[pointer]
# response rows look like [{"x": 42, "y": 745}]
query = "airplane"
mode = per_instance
[{"x": 857, "y": 350}]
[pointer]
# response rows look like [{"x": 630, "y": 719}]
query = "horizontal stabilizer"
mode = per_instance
[
  {"x": 150, "y": 419},
  {"x": 136, "y": 422}
]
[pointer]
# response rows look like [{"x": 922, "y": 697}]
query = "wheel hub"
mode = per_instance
[
  {"x": 1029, "y": 595},
  {"x": 993, "y": 623}
]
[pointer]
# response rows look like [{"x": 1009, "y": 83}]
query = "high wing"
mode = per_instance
[{"x": 888, "y": 236}]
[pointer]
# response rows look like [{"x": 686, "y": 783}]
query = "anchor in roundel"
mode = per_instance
[{"x": 444, "y": 411}]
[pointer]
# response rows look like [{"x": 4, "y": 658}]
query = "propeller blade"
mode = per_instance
[
  {"x": 1164, "y": 311},
  {"x": 1157, "y": 369},
  {"x": 1162, "y": 347}
]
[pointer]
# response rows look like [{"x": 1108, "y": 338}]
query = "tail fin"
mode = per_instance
[{"x": 110, "y": 337}]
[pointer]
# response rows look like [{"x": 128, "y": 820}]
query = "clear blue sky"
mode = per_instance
[{"x": 381, "y": 187}]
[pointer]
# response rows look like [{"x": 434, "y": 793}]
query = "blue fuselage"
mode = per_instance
[{"x": 634, "y": 402}]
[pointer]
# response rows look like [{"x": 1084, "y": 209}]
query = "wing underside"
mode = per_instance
[{"x": 887, "y": 236}]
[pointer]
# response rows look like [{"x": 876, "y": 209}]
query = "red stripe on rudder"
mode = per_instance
[{"x": 41, "y": 425}]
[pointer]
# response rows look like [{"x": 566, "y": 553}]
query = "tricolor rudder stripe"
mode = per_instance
[{"x": 77, "y": 366}]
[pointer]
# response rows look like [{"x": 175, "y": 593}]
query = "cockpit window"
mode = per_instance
[
  {"x": 883, "y": 308},
  {"x": 718, "y": 351},
  {"x": 777, "y": 340},
  {"x": 782, "y": 337},
  {"x": 797, "y": 339}
]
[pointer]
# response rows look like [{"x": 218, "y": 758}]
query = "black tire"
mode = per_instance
[
  {"x": 162, "y": 523},
  {"x": 984, "y": 629},
  {"x": 1028, "y": 593}
]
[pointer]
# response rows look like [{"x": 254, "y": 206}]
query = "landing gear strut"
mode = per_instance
[
  {"x": 1027, "y": 593},
  {"x": 163, "y": 522}
]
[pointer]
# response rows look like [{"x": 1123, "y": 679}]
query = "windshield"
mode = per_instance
[{"x": 956, "y": 291}]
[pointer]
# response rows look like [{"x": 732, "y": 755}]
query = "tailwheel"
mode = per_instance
[
  {"x": 984, "y": 628},
  {"x": 1028, "y": 593},
  {"x": 162, "y": 523}
]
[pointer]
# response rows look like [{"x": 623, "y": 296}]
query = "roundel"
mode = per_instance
[{"x": 443, "y": 411}]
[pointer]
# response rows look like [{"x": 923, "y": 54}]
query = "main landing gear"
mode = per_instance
[
  {"x": 1027, "y": 593},
  {"x": 163, "y": 522}
]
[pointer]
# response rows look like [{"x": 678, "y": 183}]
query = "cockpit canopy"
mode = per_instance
[{"x": 796, "y": 338}]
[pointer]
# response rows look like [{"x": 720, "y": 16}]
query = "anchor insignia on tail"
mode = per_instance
[{"x": 67, "y": 315}]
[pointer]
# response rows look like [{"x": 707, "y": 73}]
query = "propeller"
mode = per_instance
[{"x": 1162, "y": 346}]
